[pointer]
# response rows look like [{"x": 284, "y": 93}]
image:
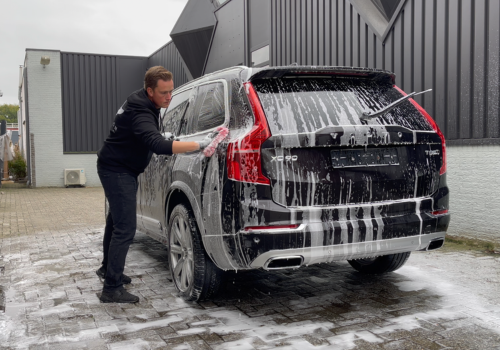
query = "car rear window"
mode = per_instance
[{"x": 303, "y": 105}]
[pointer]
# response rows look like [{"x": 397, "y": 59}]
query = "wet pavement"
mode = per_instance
[{"x": 51, "y": 246}]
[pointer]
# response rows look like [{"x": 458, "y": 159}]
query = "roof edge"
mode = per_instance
[
  {"x": 29, "y": 49},
  {"x": 193, "y": 31}
]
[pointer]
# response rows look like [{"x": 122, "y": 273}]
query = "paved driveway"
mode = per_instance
[{"x": 51, "y": 245}]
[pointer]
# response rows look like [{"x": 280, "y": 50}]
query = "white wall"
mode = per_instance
[
  {"x": 474, "y": 181},
  {"x": 45, "y": 118}
]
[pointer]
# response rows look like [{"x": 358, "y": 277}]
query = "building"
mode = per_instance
[{"x": 451, "y": 46}]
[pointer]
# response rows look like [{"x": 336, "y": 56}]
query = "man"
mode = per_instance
[{"x": 126, "y": 152}]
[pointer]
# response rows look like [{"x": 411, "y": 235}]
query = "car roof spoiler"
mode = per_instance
[{"x": 380, "y": 75}]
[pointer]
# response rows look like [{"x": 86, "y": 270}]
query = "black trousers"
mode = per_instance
[{"x": 120, "y": 190}]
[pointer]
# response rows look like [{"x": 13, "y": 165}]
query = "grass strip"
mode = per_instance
[{"x": 458, "y": 243}]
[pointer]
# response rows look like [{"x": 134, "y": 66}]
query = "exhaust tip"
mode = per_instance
[
  {"x": 436, "y": 244},
  {"x": 286, "y": 262}
]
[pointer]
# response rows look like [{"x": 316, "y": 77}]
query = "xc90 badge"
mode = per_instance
[{"x": 284, "y": 159}]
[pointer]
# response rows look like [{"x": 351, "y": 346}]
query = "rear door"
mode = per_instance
[
  {"x": 322, "y": 153},
  {"x": 201, "y": 174},
  {"x": 157, "y": 177}
]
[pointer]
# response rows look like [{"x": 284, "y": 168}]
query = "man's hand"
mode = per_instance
[{"x": 206, "y": 141}]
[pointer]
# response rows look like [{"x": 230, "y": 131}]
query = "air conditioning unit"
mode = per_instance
[{"x": 74, "y": 177}]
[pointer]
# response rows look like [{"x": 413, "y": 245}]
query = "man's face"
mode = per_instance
[{"x": 162, "y": 93}]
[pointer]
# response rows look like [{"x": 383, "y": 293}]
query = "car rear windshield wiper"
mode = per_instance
[{"x": 371, "y": 115}]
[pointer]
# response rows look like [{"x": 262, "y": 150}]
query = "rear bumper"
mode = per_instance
[
  {"x": 325, "y": 233},
  {"x": 329, "y": 253},
  {"x": 341, "y": 233}
]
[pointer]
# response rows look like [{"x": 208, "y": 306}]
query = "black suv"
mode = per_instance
[{"x": 320, "y": 164}]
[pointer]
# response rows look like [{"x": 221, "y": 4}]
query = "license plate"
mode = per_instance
[{"x": 361, "y": 157}]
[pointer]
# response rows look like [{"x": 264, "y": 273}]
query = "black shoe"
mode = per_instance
[
  {"x": 102, "y": 273},
  {"x": 118, "y": 296}
]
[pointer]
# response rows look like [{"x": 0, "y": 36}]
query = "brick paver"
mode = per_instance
[{"x": 50, "y": 246}]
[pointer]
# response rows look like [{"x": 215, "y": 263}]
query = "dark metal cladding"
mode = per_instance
[
  {"x": 93, "y": 88},
  {"x": 449, "y": 46},
  {"x": 169, "y": 56},
  {"x": 227, "y": 45}
]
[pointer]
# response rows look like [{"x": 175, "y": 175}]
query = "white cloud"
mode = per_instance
[{"x": 118, "y": 27}]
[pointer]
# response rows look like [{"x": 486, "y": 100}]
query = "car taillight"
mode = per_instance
[
  {"x": 276, "y": 227},
  {"x": 434, "y": 126},
  {"x": 243, "y": 154},
  {"x": 440, "y": 212}
]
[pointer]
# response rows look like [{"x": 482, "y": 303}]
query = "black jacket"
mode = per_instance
[{"x": 134, "y": 136}]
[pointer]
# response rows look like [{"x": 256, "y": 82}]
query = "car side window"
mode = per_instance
[
  {"x": 172, "y": 121},
  {"x": 210, "y": 107}
]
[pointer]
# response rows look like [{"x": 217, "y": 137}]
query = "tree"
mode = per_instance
[{"x": 8, "y": 112}]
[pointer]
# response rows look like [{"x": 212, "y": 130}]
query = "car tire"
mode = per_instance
[
  {"x": 380, "y": 264},
  {"x": 195, "y": 276}
]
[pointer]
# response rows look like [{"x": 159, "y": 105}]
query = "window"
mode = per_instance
[
  {"x": 305, "y": 105},
  {"x": 176, "y": 112},
  {"x": 210, "y": 107},
  {"x": 260, "y": 56}
]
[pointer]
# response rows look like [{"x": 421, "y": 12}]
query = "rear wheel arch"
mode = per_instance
[
  {"x": 181, "y": 193},
  {"x": 175, "y": 197}
]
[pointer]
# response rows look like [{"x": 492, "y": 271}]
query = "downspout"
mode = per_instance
[
  {"x": 20, "y": 114},
  {"x": 27, "y": 120},
  {"x": 20, "y": 82}
]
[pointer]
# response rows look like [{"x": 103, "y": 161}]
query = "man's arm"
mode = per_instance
[
  {"x": 182, "y": 147},
  {"x": 145, "y": 129}
]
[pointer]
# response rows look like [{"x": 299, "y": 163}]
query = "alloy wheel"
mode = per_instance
[{"x": 181, "y": 254}]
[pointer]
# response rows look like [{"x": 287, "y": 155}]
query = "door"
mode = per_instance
[
  {"x": 199, "y": 173},
  {"x": 157, "y": 177}
]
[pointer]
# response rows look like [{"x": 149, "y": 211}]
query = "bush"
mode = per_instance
[{"x": 17, "y": 166}]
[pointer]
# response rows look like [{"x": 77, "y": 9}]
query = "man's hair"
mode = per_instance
[{"x": 154, "y": 74}]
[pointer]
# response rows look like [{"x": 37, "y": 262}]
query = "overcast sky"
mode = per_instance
[{"x": 117, "y": 27}]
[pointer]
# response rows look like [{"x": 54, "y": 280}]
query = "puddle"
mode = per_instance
[
  {"x": 59, "y": 301},
  {"x": 11, "y": 309},
  {"x": 60, "y": 269}
]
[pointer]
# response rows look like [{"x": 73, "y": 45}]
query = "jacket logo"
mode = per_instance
[
  {"x": 432, "y": 153},
  {"x": 284, "y": 158}
]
